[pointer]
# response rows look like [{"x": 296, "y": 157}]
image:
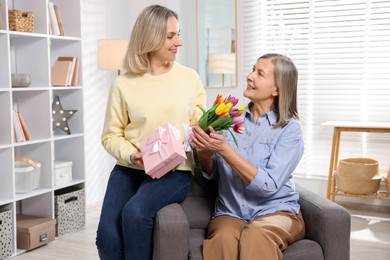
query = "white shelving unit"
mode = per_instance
[{"x": 35, "y": 53}]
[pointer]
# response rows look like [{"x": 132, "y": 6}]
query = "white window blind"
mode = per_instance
[{"x": 342, "y": 51}]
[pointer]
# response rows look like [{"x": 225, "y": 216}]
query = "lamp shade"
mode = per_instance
[
  {"x": 111, "y": 54},
  {"x": 224, "y": 63}
]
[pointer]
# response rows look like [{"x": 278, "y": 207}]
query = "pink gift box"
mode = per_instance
[{"x": 163, "y": 150}]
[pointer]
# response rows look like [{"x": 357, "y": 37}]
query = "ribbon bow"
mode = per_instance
[{"x": 155, "y": 143}]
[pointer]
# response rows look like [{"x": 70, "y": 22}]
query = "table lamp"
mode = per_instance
[
  {"x": 223, "y": 63},
  {"x": 110, "y": 54}
]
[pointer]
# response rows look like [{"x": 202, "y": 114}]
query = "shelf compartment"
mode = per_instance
[
  {"x": 70, "y": 14},
  {"x": 71, "y": 99},
  {"x": 39, "y": 10},
  {"x": 6, "y": 136},
  {"x": 6, "y": 176},
  {"x": 3, "y": 9},
  {"x": 66, "y": 47},
  {"x": 39, "y": 205},
  {"x": 29, "y": 55},
  {"x": 40, "y": 152},
  {"x": 71, "y": 149},
  {"x": 4, "y": 62},
  {"x": 34, "y": 106}
]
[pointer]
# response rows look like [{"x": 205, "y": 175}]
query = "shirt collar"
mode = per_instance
[{"x": 270, "y": 116}]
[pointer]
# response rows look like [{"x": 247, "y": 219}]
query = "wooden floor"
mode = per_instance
[{"x": 370, "y": 237}]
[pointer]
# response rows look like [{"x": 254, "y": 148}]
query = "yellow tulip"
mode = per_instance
[{"x": 220, "y": 109}]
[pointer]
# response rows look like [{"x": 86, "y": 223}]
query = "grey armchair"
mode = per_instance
[{"x": 179, "y": 229}]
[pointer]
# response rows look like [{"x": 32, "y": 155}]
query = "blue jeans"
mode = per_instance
[{"x": 131, "y": 201}]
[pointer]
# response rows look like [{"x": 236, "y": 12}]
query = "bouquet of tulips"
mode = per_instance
[{"x": 223, "y": 116}]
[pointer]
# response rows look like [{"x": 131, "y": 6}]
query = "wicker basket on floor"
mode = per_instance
[
  {"x": 21, "y": 21},
  {"x": 358, "y": 186},
  {"x": 358, "y": 176},
  {"x": 387, "y": 181}
]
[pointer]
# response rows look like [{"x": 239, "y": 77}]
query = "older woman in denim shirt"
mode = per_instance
[{"x": 256, "y": 214}]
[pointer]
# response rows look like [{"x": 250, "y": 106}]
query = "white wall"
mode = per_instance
[{"x": 97, "y": 163}]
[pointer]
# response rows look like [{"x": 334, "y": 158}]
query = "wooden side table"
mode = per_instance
[{"x": 345, "y": 126}]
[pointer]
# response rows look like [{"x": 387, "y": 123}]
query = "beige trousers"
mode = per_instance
[{"x": 264, "y": 238}]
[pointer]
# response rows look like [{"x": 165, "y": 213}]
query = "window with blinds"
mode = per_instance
[{"x": 342, "y": 51}]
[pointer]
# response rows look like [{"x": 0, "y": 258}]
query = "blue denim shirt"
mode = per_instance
[{"x": 275, "y": 152}]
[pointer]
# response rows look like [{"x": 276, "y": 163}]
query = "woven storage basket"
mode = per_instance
[
  {"x": 363, "y": 168},
  {"x": 21, "y": 21},
  {"x": 358, "y": 186},
  {"x": 387, "y": 180},
  {"x": 358, "y": 176}
]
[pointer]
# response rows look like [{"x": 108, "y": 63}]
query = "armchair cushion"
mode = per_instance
[
  {"x": 198, "y": 211},
  {"x": 304, "y": 249},
  {"x": 196, "y": 241}
]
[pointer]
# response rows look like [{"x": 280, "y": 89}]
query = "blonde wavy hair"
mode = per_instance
[{"x": 148, "y": 35}]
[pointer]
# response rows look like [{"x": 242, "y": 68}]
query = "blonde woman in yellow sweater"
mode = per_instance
[{"x": 154, "y": 90}]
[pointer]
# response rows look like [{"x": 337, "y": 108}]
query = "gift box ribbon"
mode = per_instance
[{"x": 155, "y": 143}]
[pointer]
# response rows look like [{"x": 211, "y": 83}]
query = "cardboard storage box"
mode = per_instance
[
  {"x": 163, "y": 151},
  {"x": 5, "y": 233},
  {"x": 69, "y": 210},
  {"x": 62, "y": 172},
  {"x": 27, "y": 175},
  {"x": 33, "y": 231}
]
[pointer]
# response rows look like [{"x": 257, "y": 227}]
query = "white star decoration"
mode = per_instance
[{"x": 60, "y": 116}]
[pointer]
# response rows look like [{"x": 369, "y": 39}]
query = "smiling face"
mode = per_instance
[
  {"x": 261, "y": 88},
  {"x": 172, "y": 42}
]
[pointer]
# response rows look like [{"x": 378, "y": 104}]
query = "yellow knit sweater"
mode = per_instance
[{"x": 138, "y": 105}]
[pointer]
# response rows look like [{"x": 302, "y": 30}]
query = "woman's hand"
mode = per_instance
[
  {"x": 213, "y": 142},
  {"x": 136, "y": 159},
  {"x": 200, "y": 140},
  {"x": 206, "y": 145}
]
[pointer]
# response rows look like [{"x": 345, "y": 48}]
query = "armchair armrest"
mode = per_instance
[
  {"x": 170, "y": 233},
  {"x": 327, "y": 223}
]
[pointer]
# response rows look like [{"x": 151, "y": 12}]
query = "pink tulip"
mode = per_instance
[
  {"x": 239, "y": 129},
  {"x": 238, "y": 120},
  {"x": 234, "y": 112},
  {"x": 232, "y": 99}
]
